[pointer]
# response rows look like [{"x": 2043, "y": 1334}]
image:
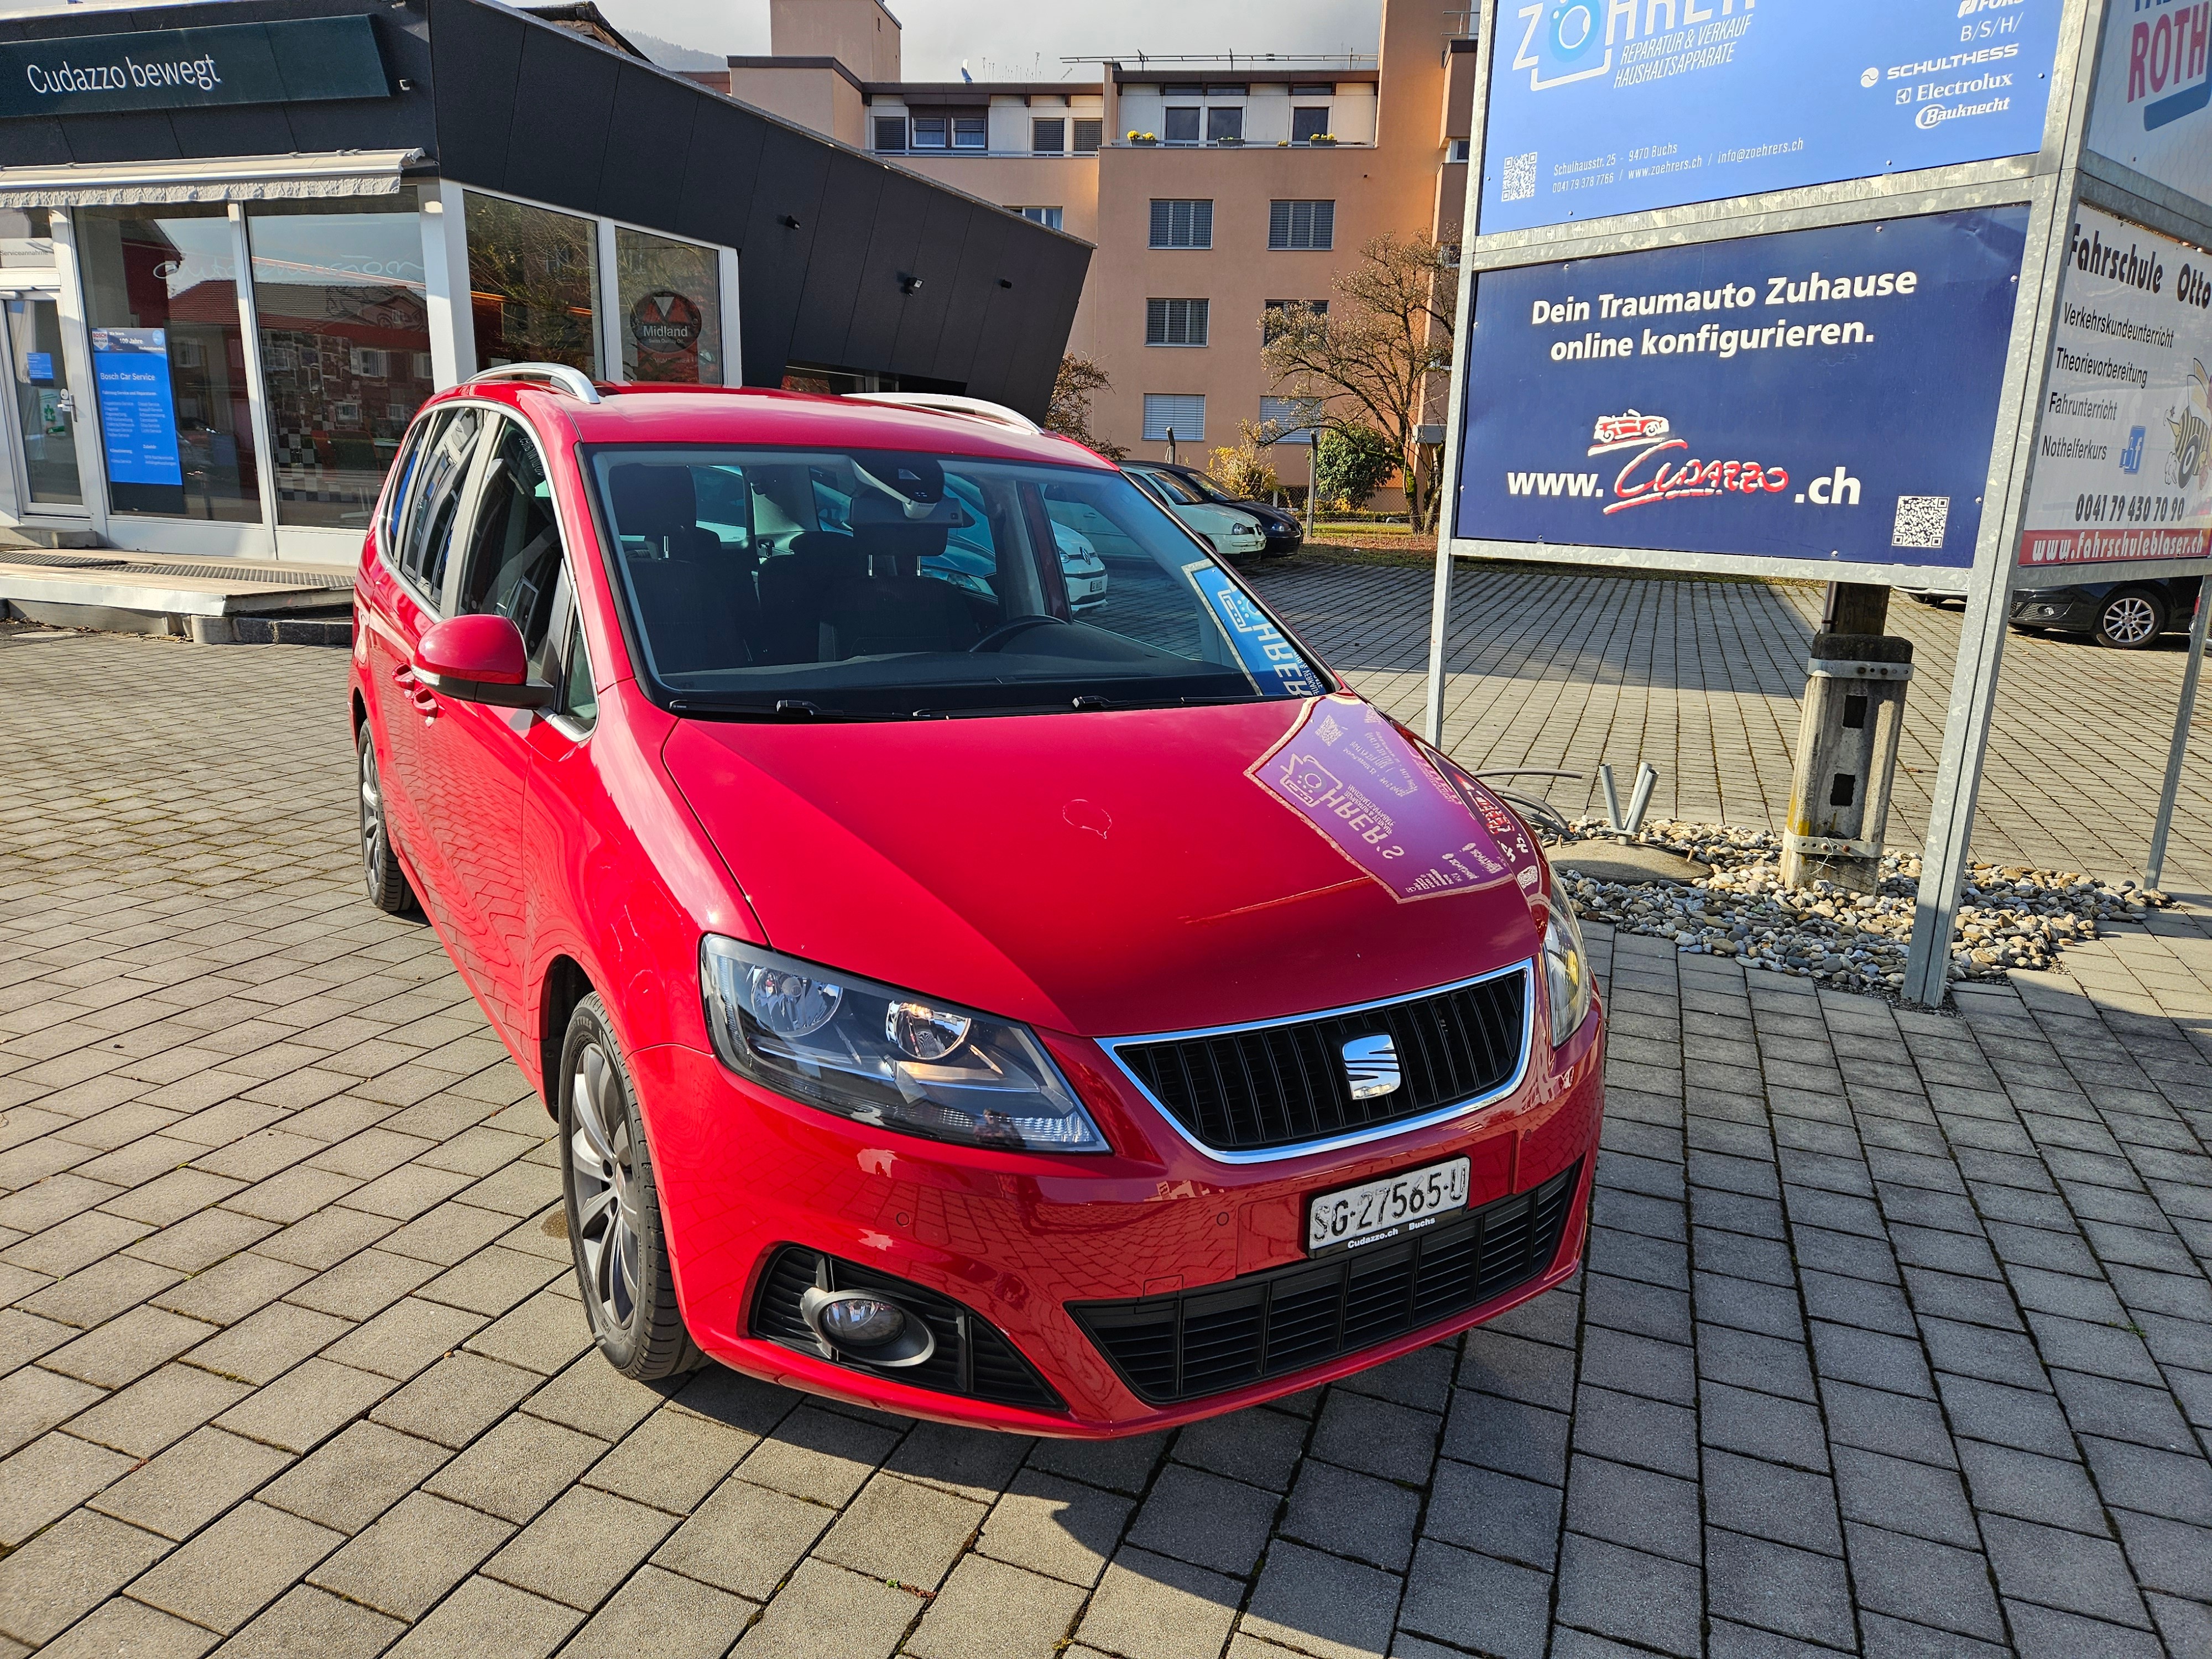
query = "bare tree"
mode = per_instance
[
  {"x": 1072, "y": 388},
  {"x": 1372, "y": 357}
]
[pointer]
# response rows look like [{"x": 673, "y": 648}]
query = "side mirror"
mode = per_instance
[{"x": 479, "y": 659}]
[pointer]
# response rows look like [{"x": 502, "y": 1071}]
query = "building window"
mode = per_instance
[
  {"x": 1301, "y": 225},
  {"x": 1459, "y": 151},
  {"x": 1088, "y": 135},
  {"x": 970, "y": 132},
  {"x": 1182, "y": 224},
  {"x": 929, "y": 132},
  {"x": 671, "y": 317},
  {"x": 345, "y": 348},
  {"x": 1041, "y": 215},
  {"x": 1291, "y": 419},
  {"x": 1048, "y": 138},
  {"x": 168, "y": 359},
  {"x": 1277, "y": 313},
  {"x": 1225, "y": 125},
  {"x": 1174, "y": 322},
  {"x": 1179, "y": 413},
  {"x": 1314, "y": 89},
  {"x": 533, "y": 278},
  {"x": 1307, "y": 125},
  {"x": 890, "y": 133},
  {"x": 1219, "y": 90},
  {"x": 1182, "y": 125}
]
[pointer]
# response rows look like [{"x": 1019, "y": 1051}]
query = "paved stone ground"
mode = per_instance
[
  {"x": 1896, "y": 1335},
  {"x": 1703, "y": 678}
]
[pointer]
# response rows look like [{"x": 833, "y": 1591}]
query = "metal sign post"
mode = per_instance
[
  {"x": 2154, "y": 865},
  {"x": 1680, "y": 350}
]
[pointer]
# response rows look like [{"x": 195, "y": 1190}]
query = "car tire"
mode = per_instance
[
  {"x": 613, "y": 1207},
  {"x": 2131, "y": 619},
  {"x": 379, "y": 860}
]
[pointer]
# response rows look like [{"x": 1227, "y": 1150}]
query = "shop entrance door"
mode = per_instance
[{"x": 42, "y": 424}]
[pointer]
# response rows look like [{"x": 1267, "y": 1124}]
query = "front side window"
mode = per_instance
[
  {"x": 514, "y": 542},
  {"x": 168, "y": 360},
  {"x": 433, "y": 497},
  {"x": 1183, "y": 124},
  {"x": 782, "y": 584},
  {"x": 345, "y": 347},
  {"x": 533, "y": 283}
]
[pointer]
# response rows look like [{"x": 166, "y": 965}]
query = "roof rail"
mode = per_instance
[
  {"x": 944, "y": 403},
  {"x": 559, "y": 376}
]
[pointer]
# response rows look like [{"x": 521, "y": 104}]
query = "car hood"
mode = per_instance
[{"x": 1115, "y": 873}]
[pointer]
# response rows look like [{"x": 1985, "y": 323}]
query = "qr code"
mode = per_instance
[
  {"x": 1920, "y": 521},
  {"x": 1520, "y": 177}
]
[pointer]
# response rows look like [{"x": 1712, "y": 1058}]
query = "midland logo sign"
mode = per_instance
[
  {"x": 300, "y": 61},
  {"x": 1606, "y": 107},
  {"x": 1822, "y": 395},
  {"x": 2154, "y": 89}
]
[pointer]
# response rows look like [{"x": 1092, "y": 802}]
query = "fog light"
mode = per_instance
[{"x": 866, "y": 1327}]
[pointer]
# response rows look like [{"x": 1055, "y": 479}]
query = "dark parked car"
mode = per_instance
[
  {"x": 1284, "y": 533},
  {"x": 2128, "y": 615}
]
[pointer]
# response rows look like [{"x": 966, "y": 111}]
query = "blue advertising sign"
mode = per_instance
[
  {"x": 1272, "y": 660},
  {"x": 137, "y": 415},
  {"x": 1605, "y": 106},
  {"x": 1825, "y": 395},
  {"x": 38, "y": 366}
]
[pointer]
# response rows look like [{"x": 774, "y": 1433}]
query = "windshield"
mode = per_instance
[
  {"x": 889, "y": 585},
  {"x": 1174, "y": 486}
]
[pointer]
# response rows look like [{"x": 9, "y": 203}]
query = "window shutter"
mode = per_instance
[
  {"x": 1278, "y": 224},
  {"x": 1324, "y": 224},
  {"x": 1087, "y": 135},
  {"x": 1201, "y": 224},
  {"x": 891, "y": 132},
  {"x": 1162, "y": 212},
  {"x": 1195, "y": 325},
  {"x": 1184, "y": 412},
  {"x": 1155, "y": 322}
]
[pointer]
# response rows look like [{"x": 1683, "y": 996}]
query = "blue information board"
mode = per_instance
[
  {"x": 1606, "y": 107},
  {"x": 38, "y": 368},
  {"x": 1825, "y": 395},
  {"x": 138, "y": 414}
]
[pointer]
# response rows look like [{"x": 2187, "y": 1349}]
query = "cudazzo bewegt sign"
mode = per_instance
[{"x": 289, "y": 62}]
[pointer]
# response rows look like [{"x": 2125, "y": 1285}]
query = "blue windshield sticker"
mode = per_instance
[
  {"x": 138, "y": 414},
  {"x": 1273, "y": 661}
]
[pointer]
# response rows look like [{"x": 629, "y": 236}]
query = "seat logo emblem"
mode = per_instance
[{"x": 1371, "y": 1064}]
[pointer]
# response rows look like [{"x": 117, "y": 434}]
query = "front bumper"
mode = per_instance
[
  {"x": 1015, "y": 1238},
  {"x": 2064, "y": 609}
]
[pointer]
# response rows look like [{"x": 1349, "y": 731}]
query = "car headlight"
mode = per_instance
[
  {"x": 884, "y": 1056},
  {"x": 1566, "y": 969}
]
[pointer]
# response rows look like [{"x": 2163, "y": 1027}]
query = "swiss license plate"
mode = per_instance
[{"x": 1390, "y": 1208}]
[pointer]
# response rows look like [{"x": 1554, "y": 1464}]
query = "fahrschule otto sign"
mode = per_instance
[
  {"x": 2124, "y": 439},
  {"x": 1825, "y": 395},
  {"x": 296, "y": 61}
]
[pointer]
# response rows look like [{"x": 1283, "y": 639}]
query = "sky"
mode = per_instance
[
  {"x": 1015, "y": 42},
  {"x": 1001, "y": 41}
]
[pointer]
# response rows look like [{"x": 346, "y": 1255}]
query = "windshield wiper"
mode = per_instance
[
  {"x": 784, "y": 711},
  {"x": 1086, "y": 704}
]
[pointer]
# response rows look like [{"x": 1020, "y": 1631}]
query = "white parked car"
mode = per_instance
[{"x": 1229, "y": 531}]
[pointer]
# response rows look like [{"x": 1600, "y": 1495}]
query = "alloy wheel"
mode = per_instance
[
  {"x": 2131, "y": 619},
  {"x": 606, "y": 1209},
  {"x": 372, "y": 818}
]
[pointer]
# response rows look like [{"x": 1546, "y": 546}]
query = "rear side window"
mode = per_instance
[
  {"x": 402, "y": 475},
  {"x": 434, "y": 499}
]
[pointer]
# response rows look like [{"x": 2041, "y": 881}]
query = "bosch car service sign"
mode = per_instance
[
  {"x": 1824, "y": 395},
  {"x": 2153, "y": 105},
  {"x": 1605, "y": 106},
  {"x": 2124, "y": 439},
  {"x": 1361, "y": 783}
]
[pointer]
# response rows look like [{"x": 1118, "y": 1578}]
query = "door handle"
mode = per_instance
[{"x": 425, "y": 701}]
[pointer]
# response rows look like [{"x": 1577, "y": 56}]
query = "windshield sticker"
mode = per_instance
[
  {"x": 1272, "y": 660},
  {"x": 1353, "y": 775}
]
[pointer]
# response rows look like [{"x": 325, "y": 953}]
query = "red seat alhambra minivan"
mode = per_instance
[{"x": 1074, "y": 1023}]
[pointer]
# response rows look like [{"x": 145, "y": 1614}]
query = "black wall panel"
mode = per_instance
[
  {"x": 641, "y": 178},
  {"x": 937, "y": 261},
  {"x": 794, "y": 171},
  {"x": 475, "y": 66},
  {"x": 720, "y": 172},
  {"x": 563, "y": 116},
  {"x": 893, "y": 242},
  {"x": 838, "y": 264}
]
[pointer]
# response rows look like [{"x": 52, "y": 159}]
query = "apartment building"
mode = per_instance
[{"x": 1213, "y": 188}]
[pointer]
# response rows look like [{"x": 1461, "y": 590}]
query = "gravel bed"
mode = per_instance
[{"x": 2013, "y": 917}]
